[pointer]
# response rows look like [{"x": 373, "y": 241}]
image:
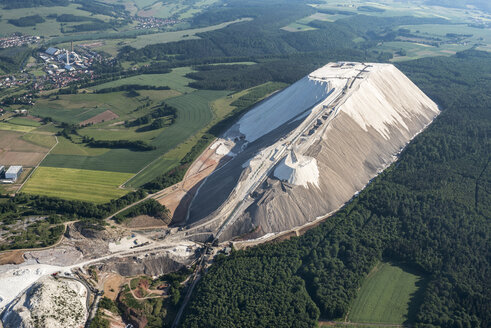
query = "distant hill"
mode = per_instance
[
  {"x": 481, "y": 4},
  {"x": 13, "y": 4}
]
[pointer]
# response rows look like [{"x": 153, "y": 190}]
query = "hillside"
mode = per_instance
[
  {"x": 306, "y": 151},
  {"x": 49, "y": 303}
]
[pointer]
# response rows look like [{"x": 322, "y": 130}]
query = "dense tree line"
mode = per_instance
[
  {"x": 129, "y": 87},
  {"x": 23, "y": 204},
  {"x": 263, "y": 36},
  {"x": 281, "y": 56},
  {"x": 242, "y": 104},
  {"x": 27, "y": 21},
  {"x": 430, "y": 210},
  {"x": 101, "y": 8},
  {"x": 66, "y": 18},
  {"x": 135, "y": 145},
  {"x": 12, "y": 59},
  {"x": 47, "y": 231},
  {"x": 15, "y": 4},
  {"x": 148, "y": 207},
  {"x": 156, "y": 116}
]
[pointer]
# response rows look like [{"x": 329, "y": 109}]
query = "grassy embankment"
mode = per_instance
[
  {"x": 86, "y": 185},
  {"x": 386, "y": 296}
]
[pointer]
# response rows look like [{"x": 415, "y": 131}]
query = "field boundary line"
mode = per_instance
[{"x": 35, "y": 168}]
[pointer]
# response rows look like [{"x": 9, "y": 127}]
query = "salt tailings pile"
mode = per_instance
[
  {"x": 297, "y": 170},
  {"x": 305, "y": 151},
  {"x": 49, "y": 303}
]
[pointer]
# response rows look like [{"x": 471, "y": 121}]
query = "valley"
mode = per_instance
[{"x": 233, "y": 163}]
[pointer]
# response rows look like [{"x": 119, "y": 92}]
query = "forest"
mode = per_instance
[
  {"x": 148, "y": 207},
  {"x": 14, "y": 4},
  {"x": 430, "y": 210},
  {"x": 26, "y": 21}
]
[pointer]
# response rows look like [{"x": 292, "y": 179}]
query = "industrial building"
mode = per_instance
[
  {"x": 2, "y": 170},
  {"x": 13, "y": 173}
]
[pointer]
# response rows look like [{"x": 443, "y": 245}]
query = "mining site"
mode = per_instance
[{"x": 288, "y": 163}]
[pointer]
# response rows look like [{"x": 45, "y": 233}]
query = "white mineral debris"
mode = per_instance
[
  {"x": 307, "y": 150},
  {"x": 54, "y": 303},
  {"x": 298, "y": 170}
]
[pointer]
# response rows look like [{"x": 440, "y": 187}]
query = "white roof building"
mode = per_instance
[{"x": 13, "y": 173}]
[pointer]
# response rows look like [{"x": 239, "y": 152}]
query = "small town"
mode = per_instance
[
  {"x": 61, "y": 66},
  {"x": 18, "y": 40},
  {"x": 154, "y": 22}
]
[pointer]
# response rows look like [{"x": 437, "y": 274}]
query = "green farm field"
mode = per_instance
[
  {"x": 171, "y": 8},
  {"x": 86, "y": 185},
  {"x": 386, "y": 296},
  {"x": 194, "y": 114},
  {"x": 220, "y": 105},
  {"x": 40, "y": 139},
  {"x": 24, "y": 121},
  {"x": 50, "y": 28},
  {"x": 76, "y": 108},
  {"x": 16, "y": 127},
  {"x": 176, "y": 80},
  {"x": 173, "y": 36},
  {"x": 399, "y": 8},
  {"x": 111, "y": 43}
]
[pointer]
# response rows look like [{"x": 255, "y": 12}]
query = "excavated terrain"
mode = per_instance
[
  {"x": 49, "y": 303},
  {"x": 306, "y": 151}
]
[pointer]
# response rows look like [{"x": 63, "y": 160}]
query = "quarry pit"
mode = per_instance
[{"x": 290, "y": 161}]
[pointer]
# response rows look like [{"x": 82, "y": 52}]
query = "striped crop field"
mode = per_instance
[{"x": 74, "y": 184}]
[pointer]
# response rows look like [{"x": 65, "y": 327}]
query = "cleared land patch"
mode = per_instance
[
  {"x": 102, "y": 117},
  {"x": 15, "y": 127},
  {"x": 66, "y": 147},
  {"x": 13, "y": 141},
  {"x": 194, "y": 113},
  {"x": 386, "y": 296},
  {"x": 40, "y": 139},
  {"x": 74, "y": 184},
  {"x": 15, "y": 149},
  {"x": 175, "y": 80},
  {"x": 24, "y": 121},
  {"x": 28, "y": 159}
]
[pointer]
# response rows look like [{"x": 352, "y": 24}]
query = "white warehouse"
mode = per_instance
[{"x": 13, "y": 173}]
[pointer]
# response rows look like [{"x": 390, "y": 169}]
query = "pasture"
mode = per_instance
[
  {"x": 40, "y": 139},
  {"x": 173, "y": 36},
  {"x": 5, "y": 126},
  {"x": 24, "y": 121},
  {"x": 86, "y": 185},
  {"x": 170, "y": 8},
  {"x": 112, "y": 44},
  {"x": 219, "y": 105},
  {"x": 77, "y": 108},
  {"x": 66, "y": 147},
  {"x": 194, "y": 114},
  {"x": 15, "y": 149},
  {"x": 176, "y": 80},
  {"x": 418, "y": 50},
  {"x": 50, "y": 28},
  {"x": 387, "y": 296}
]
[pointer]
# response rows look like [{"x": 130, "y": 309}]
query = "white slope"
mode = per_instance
[
  {"x": 297, "y": 99},
  {"x": 53, "y": 303},
  {"x": 14, "y": 281},
  {"x": 387, "y": 98},
  {"x": 298, "y": 170},
  {"x": 351, "y": 121}
]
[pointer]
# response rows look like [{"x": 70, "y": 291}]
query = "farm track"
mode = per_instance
[{"x": 35, "y": 168}]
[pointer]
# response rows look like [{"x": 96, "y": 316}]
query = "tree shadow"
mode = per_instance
[{"x": 416, "y": 298}]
